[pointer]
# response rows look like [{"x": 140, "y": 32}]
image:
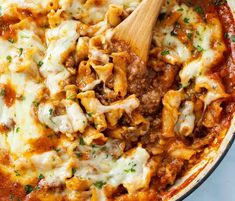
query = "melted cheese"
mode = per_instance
[
  {"x": 131, "y": 171},
  {"x": 74, "y": 120},
  {"x": 36, "y": 6},
  {"x": 24, "y": 54},
  {"x": 209, "y": 41},
  {"x": 89, "y": 13},
  {"x": 61, "y": 41},
  {"x": 34, "y": 65},
  {"x": 17, "y": 139},
  {"x": 215, "y": 90},
  {"x": 186, "y": 120},
  {"x": 179, "y": 53},
  {"x": 93, "y": 105}
]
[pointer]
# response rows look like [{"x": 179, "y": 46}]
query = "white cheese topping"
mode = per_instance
[
  {"x": 72, "y": 121},
  {"x": 61, "y": 41},
  {"x": 186, "y": 120}
]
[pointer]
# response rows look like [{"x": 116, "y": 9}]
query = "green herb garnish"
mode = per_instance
[
  {"x": 199, "y": 9},
  {"x": 165, "y": 52},
  {"x": 21, "y": 51},
  {"x": 74, "y": 170},
  {"x": 186, "y": 20},
  {"x": 79, "y": 155},
  {"x": 189, "y": 35},
  {"x": 17, "y": 129},
  {"x": 50, "y": 111},
  {"x": 11, "y": 40},
  {"x": 28, "y": 189},
  {"x": 36, "y": 103},
  {"x": 233, "y": 38},
  {"x": 99, "y": 184},
  {"x": 40, "y": 63},
  {"x": 2, "y": 92},
  {"x": 41, "y": 176},
  {"x": 199, "y": 48},
  {"x": 9, "y": 58},
  {"x": 81, "y": 141}
]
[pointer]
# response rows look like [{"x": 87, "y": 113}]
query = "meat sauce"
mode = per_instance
[
  {"x": 6, "y": 29},
  {"x": 10, "y": 190},
  {"x": 9, "y": 96},
  {"x": 150, "y": 87},
  {"x": 226, "y": 70}
]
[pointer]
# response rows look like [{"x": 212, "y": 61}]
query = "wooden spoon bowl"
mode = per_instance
[{"x": 136, "y": 30}]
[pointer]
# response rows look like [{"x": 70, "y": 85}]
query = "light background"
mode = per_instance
[{"x": 220, "y": 186}]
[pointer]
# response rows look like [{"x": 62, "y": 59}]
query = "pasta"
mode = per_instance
[{"x": 82, "y": 118}]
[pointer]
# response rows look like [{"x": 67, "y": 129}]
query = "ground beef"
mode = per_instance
[
  {"x": 151, "y": 101},
  {"x": 70, "y": 65},
  {"x": 168, "y": 171},
  {"x": 137, "y": 79},
  {"x": 150, "y": 85}
]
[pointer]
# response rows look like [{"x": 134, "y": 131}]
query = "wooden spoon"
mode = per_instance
[{"x": 137, "y": 29}]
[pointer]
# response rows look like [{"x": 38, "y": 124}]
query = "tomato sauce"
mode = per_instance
[
  {"x": 9, "y": 96},
  {"x": 228, "y": 72},
  {"x": 44, "y": 144},
  {"x": 6, "y": 29},
  {"x": 10, "y": 190}
]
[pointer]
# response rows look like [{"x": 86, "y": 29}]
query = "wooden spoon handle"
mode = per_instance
[{"x": 136, "y": 30}]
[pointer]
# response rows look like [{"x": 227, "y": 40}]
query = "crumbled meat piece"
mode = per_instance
[
  {"x": 70, "y": 64},
  {"x": 151, "y": 100},
  {"x": 168, "y": 170}
]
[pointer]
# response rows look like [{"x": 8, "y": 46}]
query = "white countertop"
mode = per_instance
[{"x": 220, "y": 185}]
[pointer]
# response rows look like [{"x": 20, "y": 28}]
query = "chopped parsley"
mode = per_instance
[
  {"x": 2, "y": 92},
  {"x": 186, "y": 20},
  {"x": 99, "y": 184},
  {"x": 79, "y": 155},
  {"x": 11, "y": 40},
  {"x": 9, "y": 58},
  {"x": 96, "y": 125},
  {"x": 40, "y": 63},
  {"x": 17, "y": 129},
  {"x": 199, "y": 48},
  {"x": 36, "y": 188},
  {"x": 74, "y": 170},
  {"x": 41, "y": 176},
  {"x": 199, "y": 9},
  {"x": 180, "y": 9},
  {"x": 189, "y": 35},
  {"x": 17, "y": 173},
  {"x": 36, "y": 103},
  {"x": 50, "y": 111},
  {"x": 57, "y": 149},
  {"x": 22, "y": 98},
  {"x": 233, "y": 38},
  {"x": 28, "y": 189},
  {"x": 81, "y": 141},
  {"x": 165, "y": 52},
  {"x": 90, "y": 114},
  {"x": 132, "y": 166},
  {"x": 21, "y": 51}
]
